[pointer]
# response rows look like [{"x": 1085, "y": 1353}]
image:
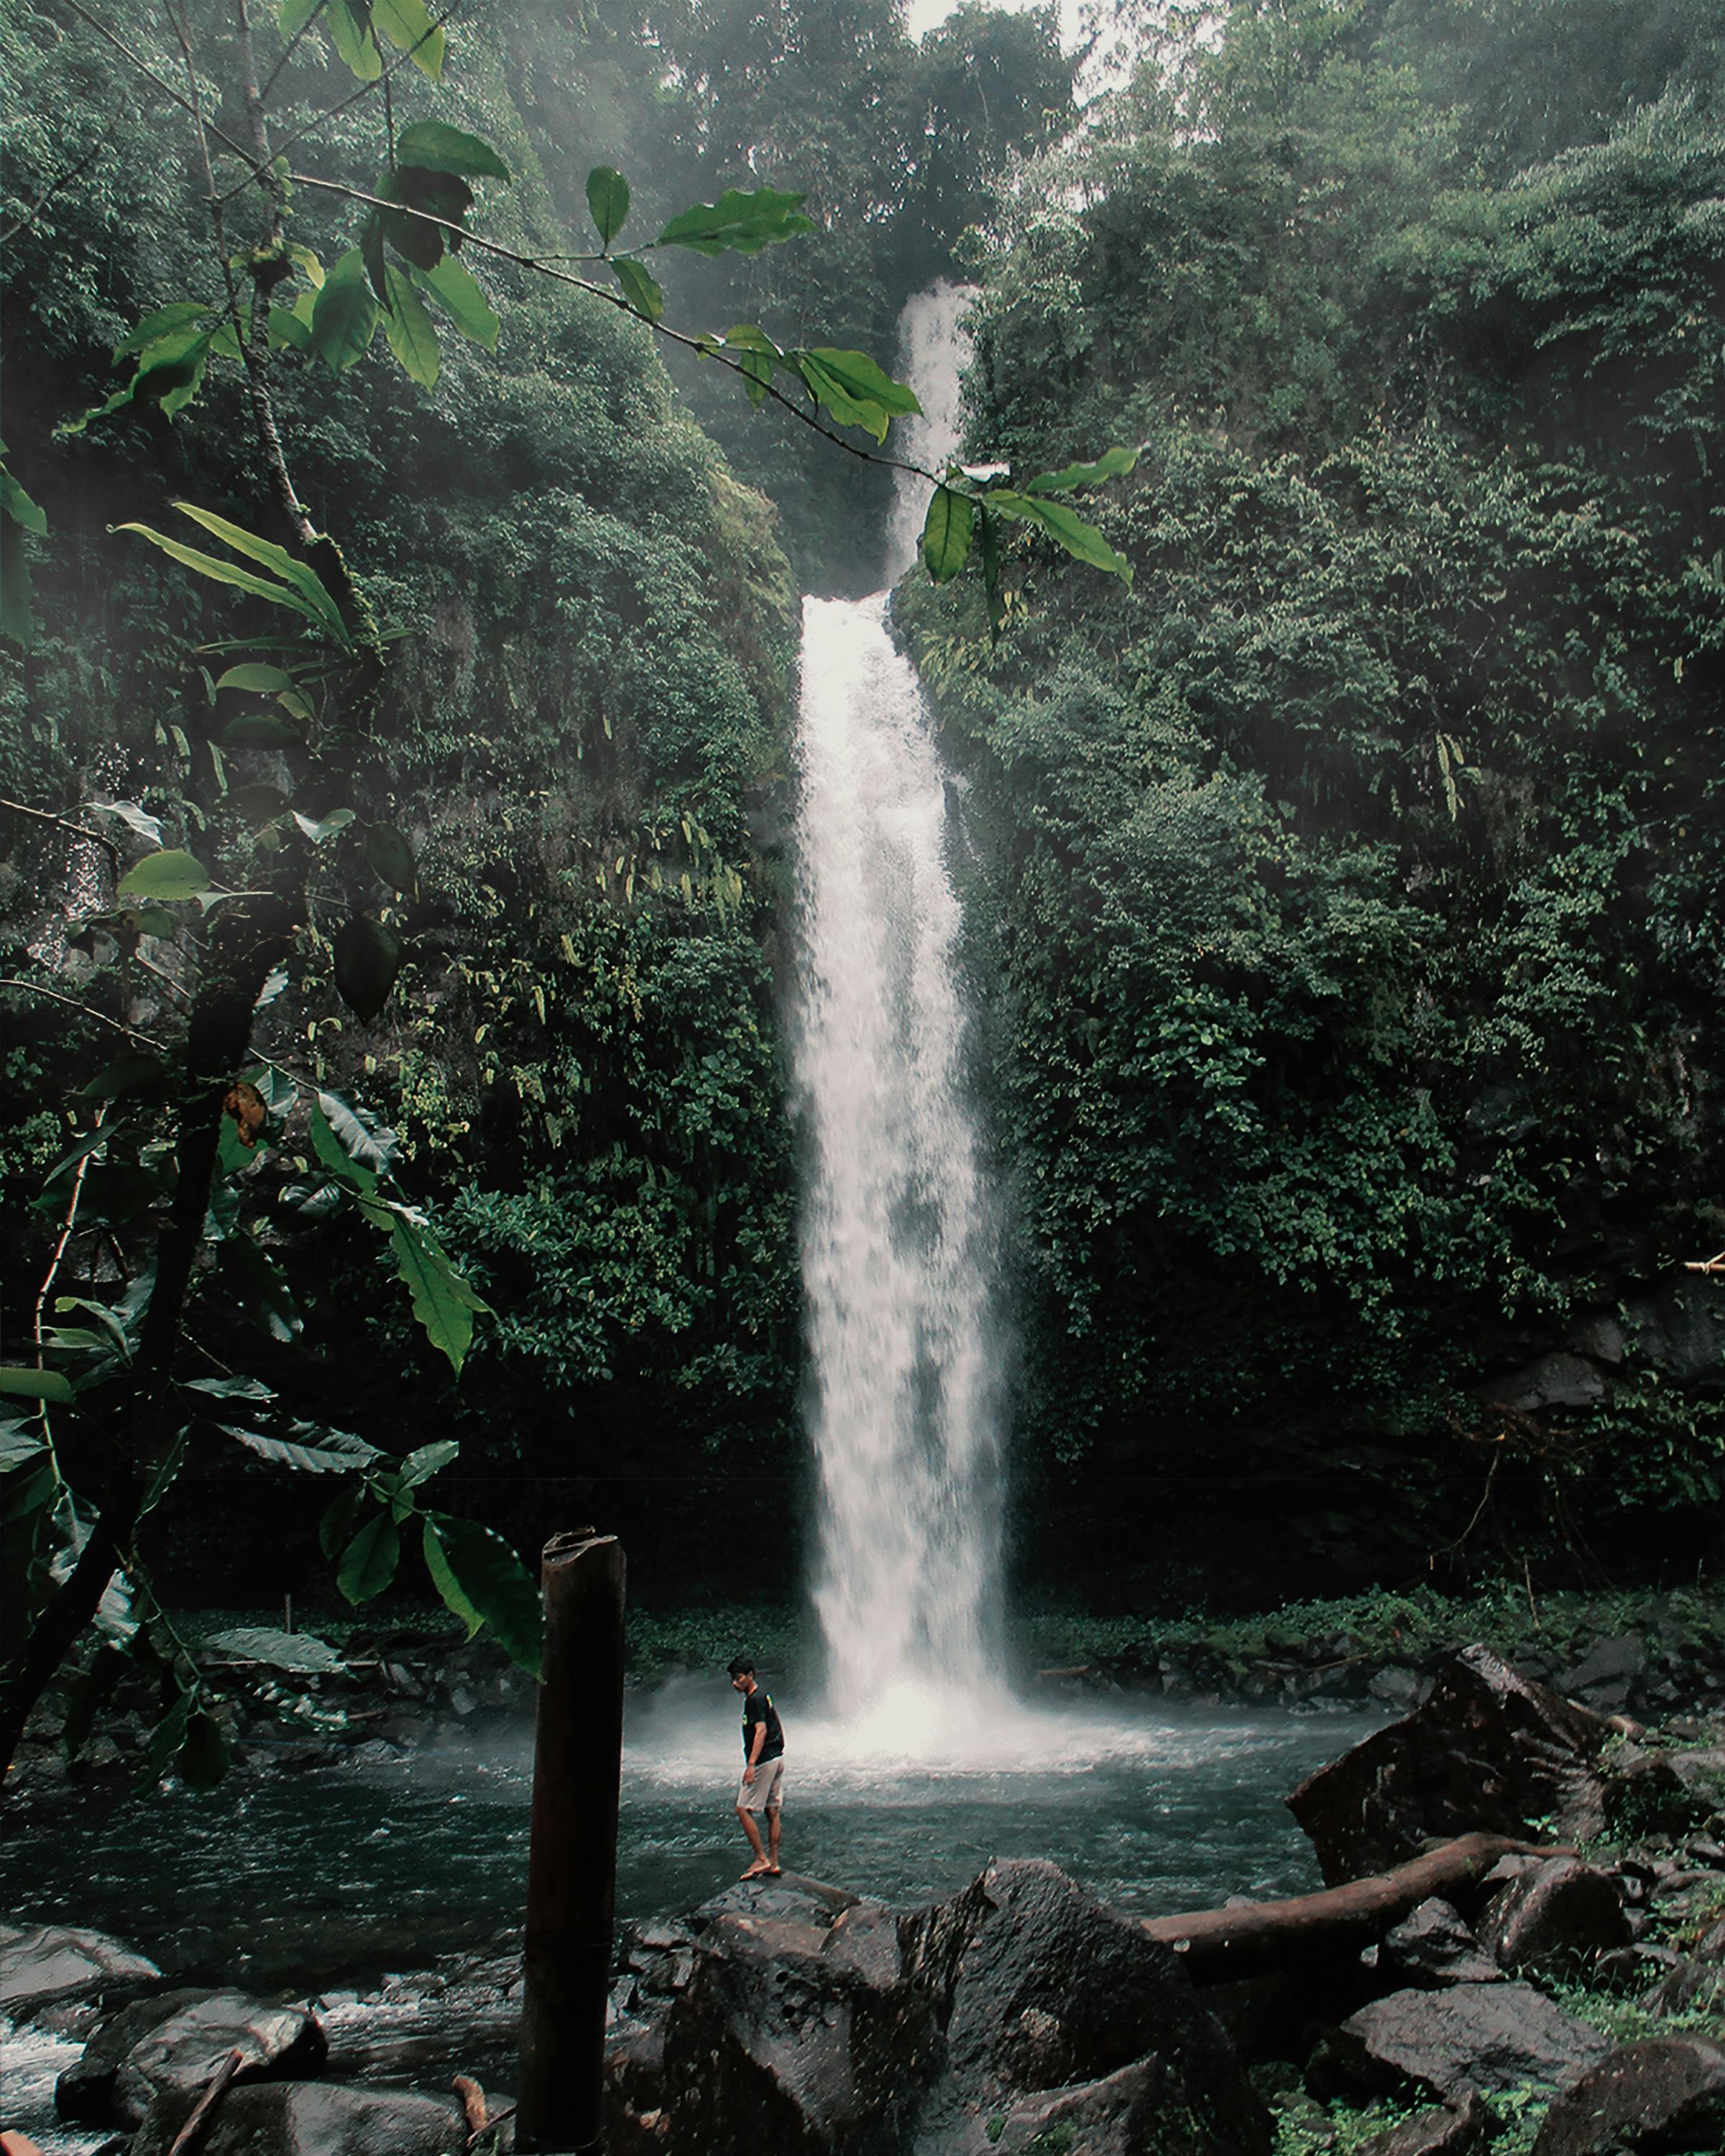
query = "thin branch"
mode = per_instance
[
  {"x": 542, "y": 266},
  {"x": 64, "y": 180},
  {"x": 256, "y": 171},
  {"x": 65, "y": 1236},
  {"x": 84, "y": 1010},
  {"x": 59, "y": 823},
  {"x": 293, "y": 46},
  {"x": 145, "y": 70}
]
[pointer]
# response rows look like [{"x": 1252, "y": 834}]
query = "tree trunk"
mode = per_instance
[{"x": 1218, "y": 1944}]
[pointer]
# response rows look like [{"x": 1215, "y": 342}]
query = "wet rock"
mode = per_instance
[
  {"x": 177, "y": 2041},
  {"x": 1124, "y": 2114},
  {"x": 792, "y": 2016},
  {"x": 1658, "y": 1793},
  {"x": 777, "y": 2041},
  {"x": 1396, "y": 1686},
  {"x": 41, "y": 1964},
  {"x": 1692, "y": 1986},
  {"x": 1664, "y": 2095},
  {"x": 1449, "y": 2129},
  {"x": 1440, "y": 2044},
  {"x": 1036, "y": 1985},
  {"x": 1431, "y": 1947},
  {"x": 1487, "y": 1750},
  {"x": 1609, "y": 1675},
  {"x": 1560, "y": 1917},
  {"x": 310, "y": 2119}
]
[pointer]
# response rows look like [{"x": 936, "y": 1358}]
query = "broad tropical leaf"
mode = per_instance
[
  {"x": 490, "y": 1580},
  {"x": 737, "y": 223},
  {"x": 457, "y": 291},
  {"x": 608, "y": 199},
  {"x": 408, "y": 26},
  {"x": 946, "y": 534},
  {"x": 167, "y": 876},
  {"x": 444, "y": 1302},
  {"x": 345, "y": 316},
  {"x": 282, "y": 1651},
  {"x": 441, "y": 148},
  {"x": 368, "y": 957},
  {"x": 369, "y": 1561},
  {"x": 1083, "y": 541},
  {"x": 640, "y": 289},
  {"x": 408, "y": 328},
  {"x": 1112, "y": 465}
]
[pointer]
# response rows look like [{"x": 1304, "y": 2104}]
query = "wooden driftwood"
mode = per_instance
[
  {"x": 1253, "y": 1936},
  {"x": 191, "y": 2134}
]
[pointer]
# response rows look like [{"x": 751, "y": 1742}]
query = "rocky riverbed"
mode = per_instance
[{"x": 1566, "y": 1998}]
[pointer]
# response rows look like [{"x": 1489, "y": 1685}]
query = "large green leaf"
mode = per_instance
[
  {"x": 638, "y": 287},
  {"x": 19, "y": 1441},
  {"x": 408, "y": 26},
  {"x": 177, "y": 315},
  {"x": 277, "y": 560},
  {"x": 444, "y": 1302},
  {"x": 491, "y": 1580},
  {"x": 344, "y": 317},
  {"x": 167, "y": 876},
  {"x": 864, "y": 379},
  {"x": 335, "y": 1529},
  {"x": 21, "y": 1384},
  {"x": 428, "y": 1460},
  {"x": 282, "y": 1651},
  {"x": 369, "y": 1561},
  {"x": 408, "y": 328},
  {"x": 445, "y": 1582},
  {"x": 309, "y": 1447},
  {"x": 368, "y": 957},
  {"x": 1083, "y": 541},
  {"x": 457, "y": 291},
  {"x": 351, "y": 29},
  {"x": 608, "y": 199},
  {"x": 390, "y": 855},
  {"x": 349, "y": 1138},
  {"x": 947, "y": 533},
  {"x": 737, "y": 223},
  {"x": 441, "y": 148},
  {"x": 226, "y": 572},
  {"x": 1113, "y": 463}
]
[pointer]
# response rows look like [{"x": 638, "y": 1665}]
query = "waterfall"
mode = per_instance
[{"x": 904, "y": 1394}]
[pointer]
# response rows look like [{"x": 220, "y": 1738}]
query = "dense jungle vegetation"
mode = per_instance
[
  {"x": 1352, "y": 884},
  {"x": 1346, "y": 891}
]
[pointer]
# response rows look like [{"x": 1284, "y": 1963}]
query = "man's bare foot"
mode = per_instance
[{"x": 758, "y": 1871}]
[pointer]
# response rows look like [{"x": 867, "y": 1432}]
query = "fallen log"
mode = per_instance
[{"x": 1250, "y": 1938}]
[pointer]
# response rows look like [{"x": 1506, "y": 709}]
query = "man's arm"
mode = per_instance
[{"x": 755, "y": 1744}]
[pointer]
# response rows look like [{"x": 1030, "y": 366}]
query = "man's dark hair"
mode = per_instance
[{"x": 742, "y": 1667}]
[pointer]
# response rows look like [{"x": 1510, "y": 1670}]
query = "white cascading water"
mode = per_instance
[{"x": 897, "y": 1230}]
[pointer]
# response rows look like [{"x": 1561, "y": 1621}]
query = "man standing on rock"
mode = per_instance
[{"x": 762, "y": 1768}]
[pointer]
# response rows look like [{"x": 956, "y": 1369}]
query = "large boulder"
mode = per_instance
[
  {"x": 1416, "y": 2046},
  {"x": 46, "y": 1964},
  {"x": 789, "y": 2016},
  {"x": 308, "y": 2118},
  {"x": 1559, "y": 1917},
  {"x": 1666, "y": 2095},
  {"x": 780, "y": 2016},
  {"x": 1431, "y": 1947},
  {"x": 177, "y": 2041},
  {"x": 1489, "y": 1750},
  {"x": 1039, "y": 1987}
]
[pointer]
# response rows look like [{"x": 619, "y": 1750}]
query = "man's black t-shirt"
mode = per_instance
[{"x": 756, "y": 1707}]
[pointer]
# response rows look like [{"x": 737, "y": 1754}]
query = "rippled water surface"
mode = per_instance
[{"x": 337, "y": 1874}]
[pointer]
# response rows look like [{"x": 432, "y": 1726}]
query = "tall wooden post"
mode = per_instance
[{"x": 572, "y": 1860}]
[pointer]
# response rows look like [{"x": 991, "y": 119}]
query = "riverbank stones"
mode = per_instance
[
  {"x": 1485, "y": 2037},
  {"x": 47, "y": 1964},
  {"x": 175, "y": 2043}
]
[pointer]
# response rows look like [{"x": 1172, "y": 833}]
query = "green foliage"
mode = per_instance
[{"x": 1350, "y": 879}]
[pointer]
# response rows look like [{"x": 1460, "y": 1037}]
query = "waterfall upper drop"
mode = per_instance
[{"x": 896, "y": 1231}]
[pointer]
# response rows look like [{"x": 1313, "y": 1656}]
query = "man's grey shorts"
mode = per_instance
[{"x": 764, "y": 1793}]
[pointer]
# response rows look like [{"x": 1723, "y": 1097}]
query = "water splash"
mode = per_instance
[{"x": 896, "y": 1233}]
